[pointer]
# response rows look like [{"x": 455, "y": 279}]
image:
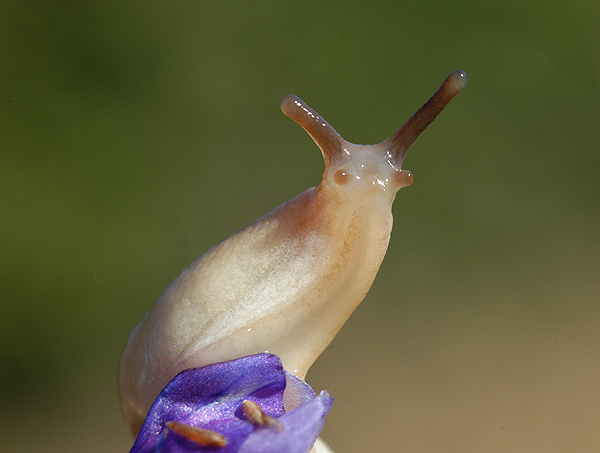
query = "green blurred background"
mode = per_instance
[{"x": 136, "y": 135}]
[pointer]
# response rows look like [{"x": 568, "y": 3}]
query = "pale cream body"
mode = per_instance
[
  {"x": 284, "y": 284},
  {"x": 287, "y": 282}
]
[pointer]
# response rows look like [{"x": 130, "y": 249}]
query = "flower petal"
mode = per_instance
[
  {"x": 211, "y": 398},
  {"x": 301, "y": 427}
]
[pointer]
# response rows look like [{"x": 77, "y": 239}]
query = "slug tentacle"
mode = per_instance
[
  {"x": 325, "y": 136},
  {"x": 287, "y": 282},
  {"x": 408, "y": 133}
]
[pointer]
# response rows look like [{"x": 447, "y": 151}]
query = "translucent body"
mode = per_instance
[{"x": 287, "y": 282}]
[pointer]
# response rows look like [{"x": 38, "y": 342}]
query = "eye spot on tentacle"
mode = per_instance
[
  {"x": 342, "y": 177},
  {"x": 404, "y": 178}
]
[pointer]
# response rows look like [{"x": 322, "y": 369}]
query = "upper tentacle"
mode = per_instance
[
  {"x": 408, "y": 133},
  {"x": 324, "y": 135}
]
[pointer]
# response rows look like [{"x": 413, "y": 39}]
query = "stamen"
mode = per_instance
[
  {"x": 204, "y": 437},
  {"x": 258, "y": 417}
]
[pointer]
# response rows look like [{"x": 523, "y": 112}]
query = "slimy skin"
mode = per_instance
[{"x": 287, "y": 282}]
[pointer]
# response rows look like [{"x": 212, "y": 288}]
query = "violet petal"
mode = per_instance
[{"x": 211, "y": 398}]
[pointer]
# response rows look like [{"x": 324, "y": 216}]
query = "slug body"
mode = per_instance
[{"x": 287, "y": 282}]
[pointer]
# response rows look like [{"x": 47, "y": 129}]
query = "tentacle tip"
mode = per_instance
[
  {"x": 288, "y": 103},
  {"x": 457, "y": 80},
  {"x": 404, "y": 178}
]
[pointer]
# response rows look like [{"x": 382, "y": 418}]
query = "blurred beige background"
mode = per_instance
[{"x": 136, "y": 135}]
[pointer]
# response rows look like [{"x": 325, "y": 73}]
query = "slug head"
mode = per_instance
[{"x": 367, "y": 172}]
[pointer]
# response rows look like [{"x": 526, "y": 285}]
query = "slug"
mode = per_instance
[{"x": 287, "y": 282}]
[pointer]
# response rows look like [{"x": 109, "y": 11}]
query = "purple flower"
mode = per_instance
[{"x": 212, "y": 398}]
